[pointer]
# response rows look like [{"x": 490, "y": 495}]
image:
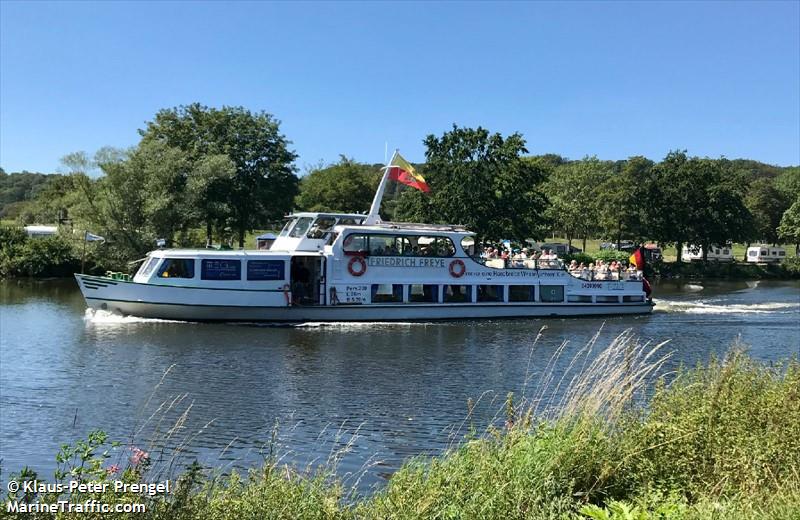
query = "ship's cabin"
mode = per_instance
[{"x": 312, "y": 231}]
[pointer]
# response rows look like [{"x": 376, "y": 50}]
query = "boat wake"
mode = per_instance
[
  {"x": 701, "y": 307},
  {"x": 101, "y": 317}
]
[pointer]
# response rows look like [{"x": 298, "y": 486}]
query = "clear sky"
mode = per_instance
[{"x": 611, "y": 79}]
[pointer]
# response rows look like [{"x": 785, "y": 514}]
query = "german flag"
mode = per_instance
[
  {"x": 637, "y": 259},
  {"x": 401, "y": 171}
]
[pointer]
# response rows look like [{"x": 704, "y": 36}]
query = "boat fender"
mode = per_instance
[
  {"x": 286, "y": 290},
  {"x": 334, "y": 297},
  {"x": 457, "y": 268},
  {"x": 357, "y": 271}
]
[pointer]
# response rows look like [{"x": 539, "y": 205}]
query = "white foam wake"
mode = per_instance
[
  {"x": 734, "y": 308},
  {"x": 101, "y": 317}
]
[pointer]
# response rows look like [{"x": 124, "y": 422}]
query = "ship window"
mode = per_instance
[
  {"x": 781, "y": 253},
  {"x": 321, "y": 227},
  {"x": 266, "y": 270},
  {"x": 490, "y": 293},
  {"x": 433, "y": 246},
  {"x": 551, "y": 293},
  {"x": 350, "y": 221},
  {"x": 220, "y": 269},
  {"x": 423, "y": 293},
  {"x": 287, "y": 227},
  {"x": 177, "y": 268},
  {"x": 148, "y": 266},
  {"x": 764, "y": 252},
  {"x": 521, "y": 293},
  {"x": 752, "y": 253},
  {"x": 355, "y": 243},
  {"x": 388, "y": 245},
  {"x": 633, "y": 298},
  {"x": 607, "y": 299},
  {"x": 387, "y": 293},
  {"x": 458, "y": 293},
  {"x": 579, "y": 298},
  {"x": 300, "y": 229}
]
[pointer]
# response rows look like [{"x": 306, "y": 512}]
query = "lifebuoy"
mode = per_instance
[
  {"x": 357, "y": 271},
  {"x": 286, "y": 289},
  {"x": 457, "y": 268}
]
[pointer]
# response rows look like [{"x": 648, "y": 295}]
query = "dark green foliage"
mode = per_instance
[
  {"x": 346, "y": 186},
  {"x": 19, "y": 187},
  {"x": 36, "y": 257},
  {"x": 264, "y": 184},
  {"x": 479, "y": 180}
]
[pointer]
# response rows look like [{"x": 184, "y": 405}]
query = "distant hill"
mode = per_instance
[{"x": 19, "y": 187}]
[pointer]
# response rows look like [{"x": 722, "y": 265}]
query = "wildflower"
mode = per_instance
[
  {"x": 138, "y": 456},
  {"x": 112, "y": 469}
]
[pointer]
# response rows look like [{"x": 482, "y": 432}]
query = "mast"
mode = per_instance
[{"x": 374, "y": 216}]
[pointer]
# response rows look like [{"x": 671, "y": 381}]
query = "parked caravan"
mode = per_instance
[
  {"x": 765, "y": 254},
  {"x": 692, "y": 253}
]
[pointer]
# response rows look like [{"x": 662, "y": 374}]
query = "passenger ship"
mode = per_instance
[{"x": 353, "y": 267}]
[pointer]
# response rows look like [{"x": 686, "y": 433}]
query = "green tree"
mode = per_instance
[
  {"x": 766, "y": 204},
  {"x": 264, "y": 185},
  {"x": 696, "y": 201},
  {"x": 789, "y": 228},
  {"x": 622, "y": 200},
  {"x": 574, "y": 195},
  {"x": 207, "y": 190},
  {"x": 479, "y": 180},
  {"x": 343, "y": 186}
]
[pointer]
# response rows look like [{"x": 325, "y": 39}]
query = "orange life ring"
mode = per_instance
[
  {"x": 457, "y": 268},
  {"x": 286, "y": 289},
  {"x": 351, "y": 266}
]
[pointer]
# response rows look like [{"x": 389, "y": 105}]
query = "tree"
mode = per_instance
[
  {"x": 206, "y": 187},
  {"x": 622, "y": 200},
  {"x": 479, "y": 180},
  {"x": 343, "y": 186},
  {"x": 264, "y": 185},
  {"x": 573, "y": 192},
  {"x": 767, "y": 205},
  {"x": 789, "y": 228},
  {"x": 696, "y": 201}
]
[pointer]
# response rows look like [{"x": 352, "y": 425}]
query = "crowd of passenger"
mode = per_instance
[{"x": 548, "y": 259}]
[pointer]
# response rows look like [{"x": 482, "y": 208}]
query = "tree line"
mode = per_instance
[{"x": 202, "y": 174}]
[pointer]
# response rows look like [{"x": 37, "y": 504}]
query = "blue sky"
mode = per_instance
[{"x": 611, "y": 79}]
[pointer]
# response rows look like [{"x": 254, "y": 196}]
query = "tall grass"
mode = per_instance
[{"x": 597, "y": 441}]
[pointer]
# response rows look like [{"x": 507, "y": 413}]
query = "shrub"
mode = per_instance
[{"x": 608, "y": 255}]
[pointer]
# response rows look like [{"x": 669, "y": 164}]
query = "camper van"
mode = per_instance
[
  {"x": 765, "y": 254},
  {"x": 692, "y": 253}
]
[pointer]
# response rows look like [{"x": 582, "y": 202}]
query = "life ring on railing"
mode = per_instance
[
  {"x": 286, "y": 290},
  {"x": 457, "y": 268},
  {"x": 357, "y": 271}
]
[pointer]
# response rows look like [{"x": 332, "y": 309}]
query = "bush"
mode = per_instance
[
  {"x": 579, "y": 257},
  {"x": 48, "y": 256},
  {"x": 609, "y": 255}
]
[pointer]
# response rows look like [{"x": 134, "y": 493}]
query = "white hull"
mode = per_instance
[{"x": 181, "y": 303}]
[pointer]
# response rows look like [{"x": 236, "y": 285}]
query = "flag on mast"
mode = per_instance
[{"x": 401, "y": 171}]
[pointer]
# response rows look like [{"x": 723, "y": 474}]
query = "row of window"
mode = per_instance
[
  {"x": 393, "y": 293},
  {"x": 217, "y": 269},
  {"x": 764, "y": 252},
  {"x": 399, "y": 245}
]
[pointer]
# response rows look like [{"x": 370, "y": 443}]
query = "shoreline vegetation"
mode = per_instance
[
  {"x": 615, "y": 437},
  {"x": 61, "y": 255}
]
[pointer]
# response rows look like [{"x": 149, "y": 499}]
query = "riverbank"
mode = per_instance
[
  {"x": 718, "y": 441},
  {"x": 789, "y": 269}
]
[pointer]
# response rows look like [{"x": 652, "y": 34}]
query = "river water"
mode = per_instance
[{"x": 367, "y": 395}]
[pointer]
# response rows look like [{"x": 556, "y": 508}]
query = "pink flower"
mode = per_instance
[
  {"x": 138, "y": 456},
  {"x": 113, "y": 469}
]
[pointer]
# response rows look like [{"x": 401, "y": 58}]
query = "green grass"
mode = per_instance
[{"x": 718, "y": 441}]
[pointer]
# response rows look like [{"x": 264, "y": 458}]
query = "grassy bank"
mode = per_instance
[{"x": 718, "y": 441}]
